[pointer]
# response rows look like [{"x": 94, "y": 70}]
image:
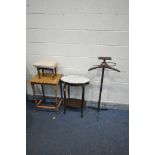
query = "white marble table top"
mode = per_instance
[{"x": 75, "y": 79}]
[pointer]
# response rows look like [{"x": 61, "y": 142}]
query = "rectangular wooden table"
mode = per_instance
[{"x": 47, "y": 79}]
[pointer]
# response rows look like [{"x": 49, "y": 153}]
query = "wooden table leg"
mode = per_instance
[
  {"x": 42, "y": 88},
  {"x": 38, "y": 72},
  {"x": 43, "y": 71},
  {"x": 68, "y": 91},
  {"x": 56, "y": 92},
  {"x": 61, "y": 90},
  {"x": 34, "y": 94},
  {"x": 52, "y": 70},
  {"x": 64, "y": 90},
  {"x": 55, "y": 71},
  {"x": 83, "y": 91}
]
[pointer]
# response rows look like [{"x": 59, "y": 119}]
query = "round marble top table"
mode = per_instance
[{"x": 74, "y": 80}]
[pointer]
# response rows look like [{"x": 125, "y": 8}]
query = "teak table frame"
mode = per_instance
[{"x": 47, "y": 79}]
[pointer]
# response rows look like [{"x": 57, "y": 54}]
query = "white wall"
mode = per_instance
[{"x": 74, "y": 33}]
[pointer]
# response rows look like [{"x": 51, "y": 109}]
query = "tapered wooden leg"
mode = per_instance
[
  {"x": 83, "y": 92},
  {"x": 38, "y": 72},
  {"x": 56, "y": 92},
  {"x": 43, "y": 71},
  {"x": 61, "y": 89},
  {"x": 68, "y": 91},
  {"x": 42, "y": 88},
  {"x": 55, "y": 70},
  {"x": 33, "y": 90},
  {"x": 52, "y": 73},
  {"x": 64, "y": 101}
]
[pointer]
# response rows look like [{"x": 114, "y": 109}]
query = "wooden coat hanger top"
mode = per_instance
[{"x": 105, "y": 64}]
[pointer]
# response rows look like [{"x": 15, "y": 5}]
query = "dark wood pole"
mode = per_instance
[
  {"x": 99, "y": 101},
  {"x": 64, "y": 101}
]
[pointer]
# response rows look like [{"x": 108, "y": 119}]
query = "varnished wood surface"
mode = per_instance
[
  {"x": 46, "y": 79},
  {"x": 75, "y": 103},
  {"x": 51, "y": 106}
]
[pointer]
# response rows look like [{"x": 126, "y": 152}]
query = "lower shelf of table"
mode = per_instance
[
  {"x": 75, "y": 103},
  {"x": 41, "y": 104}
]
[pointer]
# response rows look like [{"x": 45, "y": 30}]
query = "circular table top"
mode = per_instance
[{"x": 75, "y": 79}]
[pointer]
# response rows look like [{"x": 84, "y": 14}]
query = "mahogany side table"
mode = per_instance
[{"x": 74, "y": 80}]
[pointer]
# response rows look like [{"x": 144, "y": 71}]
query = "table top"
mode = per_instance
[
  {"x": 75, "y": 79},
  {"x": 46, "y": 79},
  {"x": 45, "y": 63}
]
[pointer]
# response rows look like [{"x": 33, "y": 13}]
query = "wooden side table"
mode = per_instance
[
  {"x": 47, "y": 79},
  {"x": 74, "y": 80}
]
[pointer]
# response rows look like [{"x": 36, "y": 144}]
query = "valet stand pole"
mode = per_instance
[{"x": 99, "y": 101}]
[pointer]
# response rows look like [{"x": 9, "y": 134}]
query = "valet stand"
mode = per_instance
[{"x": 103, "y": 66}]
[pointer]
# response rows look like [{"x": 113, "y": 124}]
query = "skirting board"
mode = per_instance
[
  {"x": 93, "y": 104},
  {"x": 108, "y": 105}
]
